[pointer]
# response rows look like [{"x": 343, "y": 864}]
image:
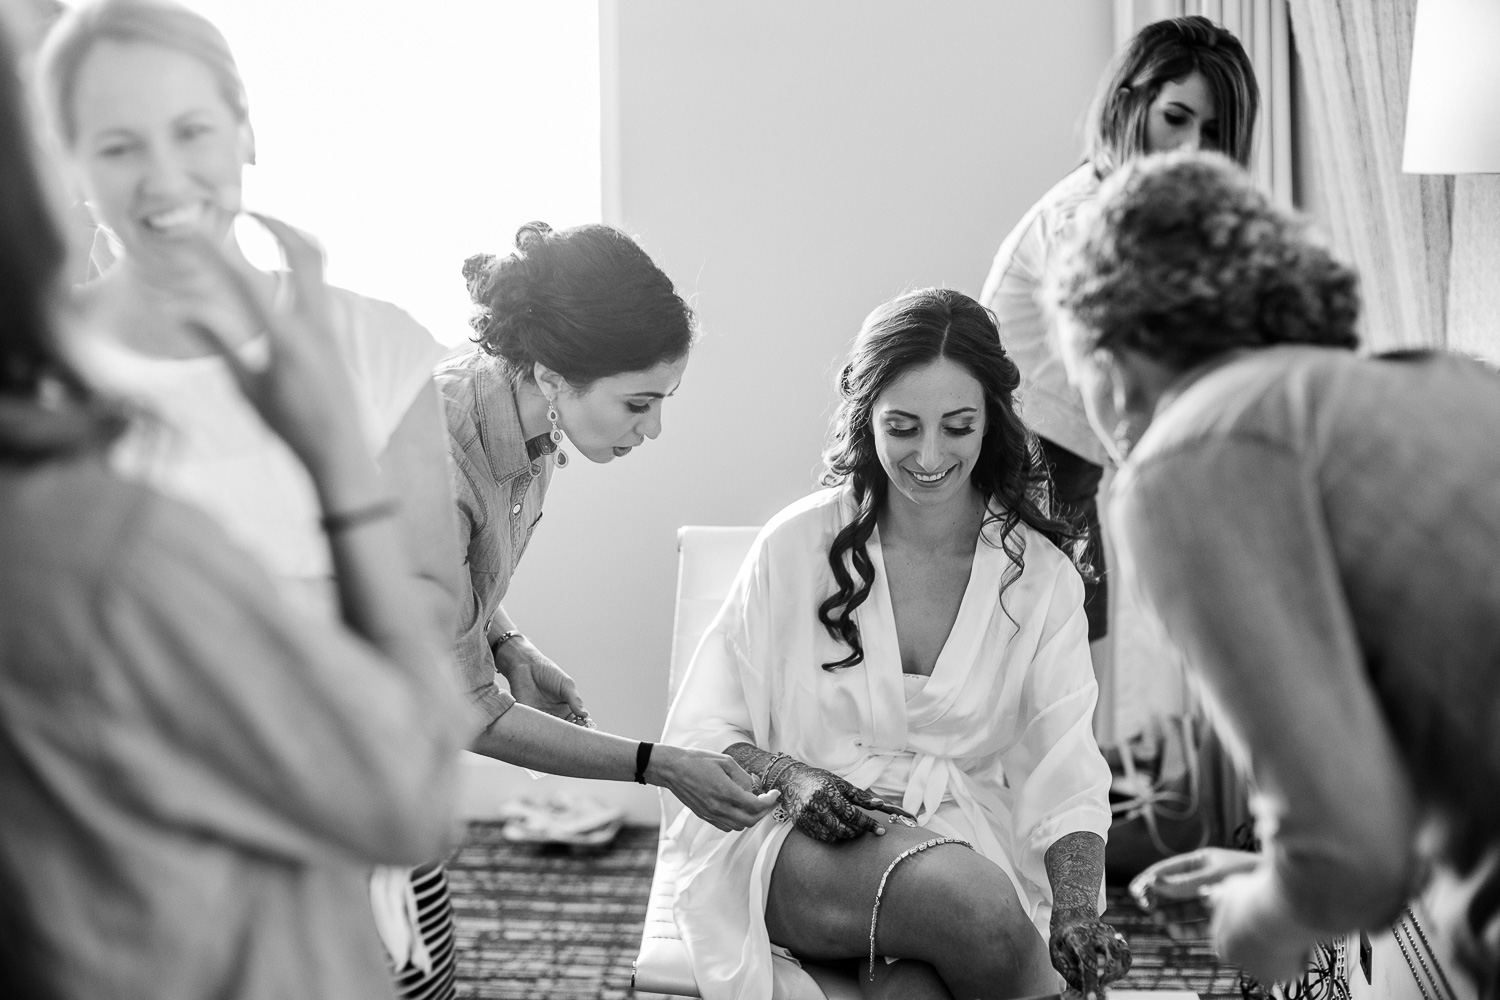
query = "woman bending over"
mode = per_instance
[
  {"x": 1316, "y": 530},
  {"x": 913, "y": 634}
]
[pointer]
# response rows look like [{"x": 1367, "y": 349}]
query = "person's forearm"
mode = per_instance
[
  {"x": 500, "y": 623},
  {"x": 437, "y": 600},
  {"x": 1329, "y": 884},
  {"x": 1075, "y": 869},
  {"x": 528, "y": 738},
  {"x": 371, "y": 568},
  {"x": 415, "y": 469}
]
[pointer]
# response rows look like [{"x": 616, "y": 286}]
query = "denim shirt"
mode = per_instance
[{"x": 499, "y": 489}]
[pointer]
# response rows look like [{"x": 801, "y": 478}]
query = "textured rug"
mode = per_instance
[{"x": 544, "y": 922}]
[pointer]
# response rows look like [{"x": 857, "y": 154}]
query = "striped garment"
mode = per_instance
[{"x": 435, "y": 917}]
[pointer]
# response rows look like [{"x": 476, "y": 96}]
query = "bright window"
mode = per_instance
[{"x": 407, "y": 136}]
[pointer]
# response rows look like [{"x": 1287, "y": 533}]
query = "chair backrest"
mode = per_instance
[{"x": 708, "y": 559}]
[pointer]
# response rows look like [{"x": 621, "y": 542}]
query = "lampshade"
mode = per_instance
[{"x": 1453, "y": 110}]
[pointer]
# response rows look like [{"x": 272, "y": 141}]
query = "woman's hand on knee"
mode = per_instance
[
  {"x": 712, "y": 785},
  {"x": 825, "y": 806},
  {"x": 1088, "y": 952}
]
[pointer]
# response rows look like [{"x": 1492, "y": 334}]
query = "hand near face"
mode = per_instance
[{"x": 300, "y": 390}]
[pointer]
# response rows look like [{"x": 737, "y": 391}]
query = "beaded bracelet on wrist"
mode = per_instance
[{"x": 779, "y": 765}]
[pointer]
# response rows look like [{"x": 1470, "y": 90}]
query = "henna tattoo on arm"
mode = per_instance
[
  {"x": 1075, "y": 867},
  {"x": 820, "y": 803},
  {"x": 1086, "y": 950},
  {"x": 752, "y": 758}
]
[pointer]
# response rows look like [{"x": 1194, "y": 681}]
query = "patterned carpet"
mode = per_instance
[{"x": 542, "y": 922}]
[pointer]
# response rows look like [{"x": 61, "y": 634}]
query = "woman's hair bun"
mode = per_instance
[
  {"x": 477, "y": 270},
  {"x": 586, "y": 302},
  {"x": 531, "y": 234}
]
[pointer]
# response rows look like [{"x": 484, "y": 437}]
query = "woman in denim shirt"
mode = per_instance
[
  {"x": 578, "y": 333},
  {"x": 1318, "y": 532}
]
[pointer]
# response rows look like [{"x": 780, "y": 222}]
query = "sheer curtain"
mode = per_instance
[
  {"x": 1355, "y": 59},
  {"x": 1394, "y": 227},
  {"x": 1473, "y": 281}
]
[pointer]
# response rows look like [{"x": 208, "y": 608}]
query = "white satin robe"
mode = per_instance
[{"x": 996, "y": 748}]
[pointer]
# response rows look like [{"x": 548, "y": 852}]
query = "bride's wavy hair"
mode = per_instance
[{"x": 909, "y": 332}]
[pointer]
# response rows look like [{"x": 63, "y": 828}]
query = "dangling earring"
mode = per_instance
[
  {"x": 556, "y": 435},
  {"x": 1121, "y": 438}
]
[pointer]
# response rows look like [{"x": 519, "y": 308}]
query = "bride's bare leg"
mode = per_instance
[
  {"x": 947, "y": 906},
  {"x": 908, "y": 979}
]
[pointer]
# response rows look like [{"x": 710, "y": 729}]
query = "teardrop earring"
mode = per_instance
[
  {"x": 1124, "y": 439},
  {"x": 556, "y": 435}
]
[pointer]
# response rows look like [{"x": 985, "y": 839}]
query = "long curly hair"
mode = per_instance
[
  {"x": 586, "y": 302},
  {"x": 910, "y": 332},
  {"x": 1181, "y": 257}
]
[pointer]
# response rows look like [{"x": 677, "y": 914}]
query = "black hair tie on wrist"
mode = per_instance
[
  {"x": 338, "y": 522},
  {"x": 642, "y": 759}
]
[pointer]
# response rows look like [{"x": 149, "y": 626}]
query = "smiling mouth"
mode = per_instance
[
  {"x": 175, "y": 220},
  {"x": 622, "y": 450},
  {"x": 931, "y": 478}
]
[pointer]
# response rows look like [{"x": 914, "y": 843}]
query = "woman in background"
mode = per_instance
[
  {"x": 1183, "y": 83},
  {"x": 914, "y": 634},
  {"x": 146, "y": 102},
  {"x": 1318, "y": 532},
  {"x": 195, "y": 776}
]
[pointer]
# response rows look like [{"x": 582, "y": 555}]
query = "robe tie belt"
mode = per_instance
[{"x": 932, "y": 778}]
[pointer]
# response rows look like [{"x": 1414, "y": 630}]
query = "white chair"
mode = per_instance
[{"x": 709, "y": 558}]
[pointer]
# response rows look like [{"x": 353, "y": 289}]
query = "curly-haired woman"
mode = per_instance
[
  {"x": 912, "y": 634},
  {"x": 1318, "y": 531},
  {"x": 1181, "y": 83}
]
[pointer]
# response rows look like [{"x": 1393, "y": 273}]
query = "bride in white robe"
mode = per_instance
[{"x": 995, "y": 748}]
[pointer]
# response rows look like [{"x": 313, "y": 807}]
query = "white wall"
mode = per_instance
[{"x": 791, "y": 165}]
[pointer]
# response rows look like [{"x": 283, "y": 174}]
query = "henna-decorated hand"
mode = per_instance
[
  {"x": 825, "y": 806},
  {"x": 1089, "y": 953}
]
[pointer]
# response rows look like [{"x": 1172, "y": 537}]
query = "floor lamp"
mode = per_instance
[{"x": 1453, "y": 127}]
